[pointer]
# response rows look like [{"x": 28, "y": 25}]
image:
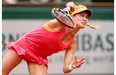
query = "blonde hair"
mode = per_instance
[{"x": 93, "y": 26}]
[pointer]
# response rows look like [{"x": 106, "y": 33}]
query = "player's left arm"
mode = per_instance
[{"x": 70, "y": 64}]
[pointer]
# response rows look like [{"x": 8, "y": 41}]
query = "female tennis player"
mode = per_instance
[{"x": 35, "y": 46}]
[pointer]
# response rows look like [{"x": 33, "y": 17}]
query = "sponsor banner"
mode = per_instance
[{"x": 96, "y": 46}]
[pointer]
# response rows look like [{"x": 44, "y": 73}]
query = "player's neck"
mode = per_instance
[{"x": 73, "y": 31}]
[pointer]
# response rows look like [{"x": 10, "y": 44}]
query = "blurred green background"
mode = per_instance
[{"x": 35, "y": 9}]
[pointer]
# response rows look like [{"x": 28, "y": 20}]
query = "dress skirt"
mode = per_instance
[{"x": 22, "y": 48}]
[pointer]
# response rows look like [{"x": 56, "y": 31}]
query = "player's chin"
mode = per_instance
[{"x": 83, "y": 26}]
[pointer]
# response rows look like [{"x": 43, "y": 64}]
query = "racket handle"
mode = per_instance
[{"x": 67, "y": 10}]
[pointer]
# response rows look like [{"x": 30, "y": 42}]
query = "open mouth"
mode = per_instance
[{"x": 83, "y": 23}]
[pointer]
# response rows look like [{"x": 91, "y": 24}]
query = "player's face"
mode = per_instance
[{"x": 81, "y": 19}]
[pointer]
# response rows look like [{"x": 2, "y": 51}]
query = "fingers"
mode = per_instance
[
  {"x": 76, "y": 66},
  {"x": 81, "y": 60},
  {"x": 76, "y": 58},
  {"x": 71, "y": 4},
  {"x": 77, "y": 63},
  {"x": 81, "y": 63}
]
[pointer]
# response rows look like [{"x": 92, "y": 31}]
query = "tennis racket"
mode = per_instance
[{"x": 63, "y": 16}]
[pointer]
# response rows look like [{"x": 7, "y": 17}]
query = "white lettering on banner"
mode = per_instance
[{"x": 96, "y": 46}]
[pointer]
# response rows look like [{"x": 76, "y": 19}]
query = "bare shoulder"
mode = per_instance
[{"x": 56, "y": 25}]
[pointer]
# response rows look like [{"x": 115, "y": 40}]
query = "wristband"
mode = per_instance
[{"x": 70, "y": 67}]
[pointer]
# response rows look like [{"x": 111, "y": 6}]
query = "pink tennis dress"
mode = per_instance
[{"x": 36, "y": 45}]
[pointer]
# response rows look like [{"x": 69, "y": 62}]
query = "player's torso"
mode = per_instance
[{"x": 44, "y": 42}]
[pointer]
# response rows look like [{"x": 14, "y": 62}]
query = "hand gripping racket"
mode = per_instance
[{"x": 63, "y": 16}]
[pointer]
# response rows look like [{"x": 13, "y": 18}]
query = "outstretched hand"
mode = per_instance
[{"x": 77, "y": 63}]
